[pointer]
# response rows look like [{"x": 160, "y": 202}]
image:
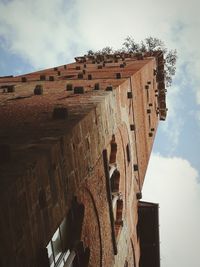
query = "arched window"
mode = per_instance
[{"x": 114, "y": 174}]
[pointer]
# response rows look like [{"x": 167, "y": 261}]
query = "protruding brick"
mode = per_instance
[
  {"x": 89, "y": 76},
  {"x": 139, "y": 195},
  {"x": 24, "y": 79},
  {"x": 129, "y": 95},
  {"x": 80, "y": 75},
  {"x": 132, "y": 127},
  {"x": 96, "y": 86},
  {"x": 38, "y": 89},
  {"x": 51, "y": 78},
  {"x": 42, "y": 77},
  {"x": 135, "y": 167},
  {"x": 60, "y": 113},
  {"x": 109, "y": 88},
  {"x": 118, "y": 75},
  {"x": 11, "y": 88},
  {"x": 69, "y": 87},
  {"x": 79, "y": 90}
]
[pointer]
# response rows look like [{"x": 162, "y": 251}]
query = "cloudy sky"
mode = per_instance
[{"x": 45, "y": 33}]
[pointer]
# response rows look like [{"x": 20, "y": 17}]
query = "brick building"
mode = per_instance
[{"x": 75, "y": 141}]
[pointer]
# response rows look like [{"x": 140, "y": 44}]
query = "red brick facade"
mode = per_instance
[{"x": 75, "y": 141}]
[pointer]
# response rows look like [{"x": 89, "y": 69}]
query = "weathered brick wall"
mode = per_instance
[
  {"x": 60, "y": 167},
  {"x": 143, "y": 98},
  {"x": 52, "y": 160}
]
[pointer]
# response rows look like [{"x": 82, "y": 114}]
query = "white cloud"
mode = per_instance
[
  {"x": 113, "y": 20},
  {"x": 174, "y": 124},
  {"x": 40, "y": 32},
  {"x": 172, "y": 182},
  {"x": 198, "y": 116},
  {"x": 53, "y": 27},
  {"x": 198, "y": 97}
]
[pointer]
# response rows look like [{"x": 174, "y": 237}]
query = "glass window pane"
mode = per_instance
[
  {"x": 70, "y": 259},
  {"x": 55, "y": 236},
  {"x": 67, "y": 255},
  {"x": 57, "y": 250},
  {"x": 50, "y": 254},
  {"x": 56, "y": 242},
  {"x": 62, "y": 264}
]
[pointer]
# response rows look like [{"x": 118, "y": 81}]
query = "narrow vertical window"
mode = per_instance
[{"x": 128, "y": 152}]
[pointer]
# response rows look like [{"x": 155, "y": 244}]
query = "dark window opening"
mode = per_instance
[{"x": 128, "y": 152}]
